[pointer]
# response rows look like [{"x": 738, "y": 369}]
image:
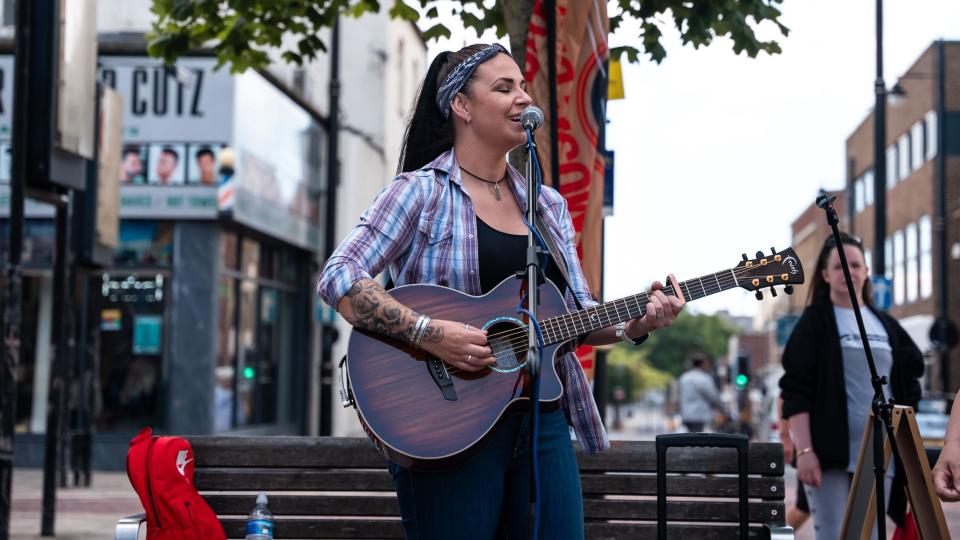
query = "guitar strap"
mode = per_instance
[{"x": 557, "y": 256}]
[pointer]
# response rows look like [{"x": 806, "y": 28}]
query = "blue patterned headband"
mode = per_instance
[{"x": 458, "y": 76}]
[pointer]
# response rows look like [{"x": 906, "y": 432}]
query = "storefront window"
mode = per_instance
[
  {"x": 257, "y": 334},
  {"x": 247, "y": 351},
  {"x": 144, "y": 243},
  {"x": 131, "y": 311},
  {"x": 225, "y": 372}
]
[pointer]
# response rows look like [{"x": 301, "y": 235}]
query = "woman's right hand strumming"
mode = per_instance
[
  {"x": 368, "y": 306},
  {"x": 459, "y": 345}
]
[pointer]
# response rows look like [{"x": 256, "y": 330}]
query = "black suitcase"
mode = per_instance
[{"x": 706, "y": 440}]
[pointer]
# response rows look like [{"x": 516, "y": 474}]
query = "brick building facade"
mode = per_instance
[{"x": 922, "y": 142}]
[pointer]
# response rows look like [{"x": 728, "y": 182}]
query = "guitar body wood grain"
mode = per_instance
[{"x": 401, "y": 406}]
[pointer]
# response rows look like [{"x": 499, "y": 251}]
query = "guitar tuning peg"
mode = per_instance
[
  {"x": 745, "y": 257},
  {"x": 773, "y": 250},
  {"x": 759, "y": 295},
  {"x": 788, "y": 289},
  {"x": 759, "y": 254},
  {"x": 773, "y": 291}
]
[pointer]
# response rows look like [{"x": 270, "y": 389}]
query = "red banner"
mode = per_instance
[{"x": 581, "y": 91}]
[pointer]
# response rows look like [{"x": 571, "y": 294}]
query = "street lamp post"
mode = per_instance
[{"x": 879, "y": 156}]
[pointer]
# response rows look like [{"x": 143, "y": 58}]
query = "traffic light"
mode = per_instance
[{"x": 742, "y": 379}]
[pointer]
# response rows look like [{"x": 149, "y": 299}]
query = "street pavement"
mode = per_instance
[
  {"x": 91, "y": 513},
  {"x": 81, "y": 513}
]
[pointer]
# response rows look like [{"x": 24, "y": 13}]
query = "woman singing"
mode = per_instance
[{"x": 454, "y": 216}]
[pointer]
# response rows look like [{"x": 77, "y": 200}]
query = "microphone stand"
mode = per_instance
[
  {"x": 534, "y": 351},
  {"x": 882, "y": 409}
]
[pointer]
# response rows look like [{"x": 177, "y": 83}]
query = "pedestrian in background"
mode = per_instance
[
  {"x": 827, "y": 389},
  {"x": 698, "y": 395}
]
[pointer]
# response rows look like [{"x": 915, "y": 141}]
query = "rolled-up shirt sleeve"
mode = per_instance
[
  {"x": 383, "y": 234},
  {"x": 578, "y": 282}
]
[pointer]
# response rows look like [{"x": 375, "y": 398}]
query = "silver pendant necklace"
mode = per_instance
[{"x": 496, "y": 184}]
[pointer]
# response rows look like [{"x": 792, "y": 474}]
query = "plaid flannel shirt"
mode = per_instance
[{"x": 422, "y": 229}]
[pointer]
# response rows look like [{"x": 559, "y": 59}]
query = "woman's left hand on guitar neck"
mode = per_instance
[{"x": 661, "y": 311}]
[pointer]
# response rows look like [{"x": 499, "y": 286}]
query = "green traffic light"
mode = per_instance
[
  {"x": 742, "y": 380},
  {"x": 248, "y": 372}
]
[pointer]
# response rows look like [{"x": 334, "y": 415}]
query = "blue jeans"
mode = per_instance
[{"x": 487, "y": 497}]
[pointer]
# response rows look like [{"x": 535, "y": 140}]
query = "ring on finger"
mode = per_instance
[
  {"x": 468, "y": 326},
  {"x": 660, "y": 314},
  {"x": 469, "y": 358}
]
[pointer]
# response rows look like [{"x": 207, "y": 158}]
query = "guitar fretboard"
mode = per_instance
[{"x": 564, "y": 327}]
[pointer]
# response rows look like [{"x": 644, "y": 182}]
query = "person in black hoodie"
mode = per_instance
[{"x": 826, "y": 386}]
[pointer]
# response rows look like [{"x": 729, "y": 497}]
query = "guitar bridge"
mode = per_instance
[{"x": 438, "y": 371}]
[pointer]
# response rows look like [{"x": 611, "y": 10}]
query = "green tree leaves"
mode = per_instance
[
  {"x": 670, "y": 348},
  {"x": 241, "y": 32}
]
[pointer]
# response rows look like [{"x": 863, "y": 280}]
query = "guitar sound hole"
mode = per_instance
[{"x": 508, "y": 340}]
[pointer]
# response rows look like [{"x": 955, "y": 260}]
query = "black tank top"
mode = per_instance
[{"x": 502, "y": 254}]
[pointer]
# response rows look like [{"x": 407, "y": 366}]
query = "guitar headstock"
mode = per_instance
[{"x": 777, "y": 268}]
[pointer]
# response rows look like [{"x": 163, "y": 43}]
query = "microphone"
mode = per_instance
[{"x": 531, "y": 118}]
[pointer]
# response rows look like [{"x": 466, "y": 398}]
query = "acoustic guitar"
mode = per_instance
[{"x": 428, "y": 415}]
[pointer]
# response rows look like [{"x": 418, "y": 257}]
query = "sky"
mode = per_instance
[{"x": 716, "y": 154}]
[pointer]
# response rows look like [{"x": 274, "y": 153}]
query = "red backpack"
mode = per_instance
[{"x": 161, "y": 472}]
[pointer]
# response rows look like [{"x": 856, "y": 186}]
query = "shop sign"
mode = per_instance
[
  {"x": 132, "y": 289},
  {"x": 145, "y": 202},
  {"x": 177, "y": 202},
  {"x": 188, "y": 103},
  {"x": 259, "y": 214}
]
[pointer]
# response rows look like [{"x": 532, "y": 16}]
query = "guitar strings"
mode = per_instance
[
  {"x": 646, "y": 295},
  {"x": 519, "y": 336}
]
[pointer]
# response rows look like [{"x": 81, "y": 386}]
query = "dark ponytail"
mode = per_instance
[{"x": 428, "y": 133}]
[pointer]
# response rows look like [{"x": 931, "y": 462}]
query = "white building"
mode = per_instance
[{"x": 228, "y": 329}]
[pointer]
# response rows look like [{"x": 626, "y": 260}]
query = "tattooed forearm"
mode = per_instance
[
  {"x": 368, "y": 306},
  {"x": 434, "y": 334}
]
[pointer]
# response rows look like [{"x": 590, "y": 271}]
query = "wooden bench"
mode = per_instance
[{"x": 326, "y": 487}]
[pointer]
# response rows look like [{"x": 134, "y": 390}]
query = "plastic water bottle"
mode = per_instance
[{"x": 260, "y": 521}]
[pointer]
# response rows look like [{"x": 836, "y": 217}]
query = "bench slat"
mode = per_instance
[
  {"x": 640, "y": 456},
  {"x": 311, "y": 452},
  {"x": 767, "y": 488},
  {"x": 279, "y": 480},
  {"x": 386, "y": 506},
  {"x": 632, "y": 531},
  {"x": 225, "y": 479},
  {"x": 235, "y": 529},
  {"x": 694, "y": 511},
  {"x": 309, "y": 505},
  {"x": 323, "y": 452},
  {"x": 341, "y": 528}
]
